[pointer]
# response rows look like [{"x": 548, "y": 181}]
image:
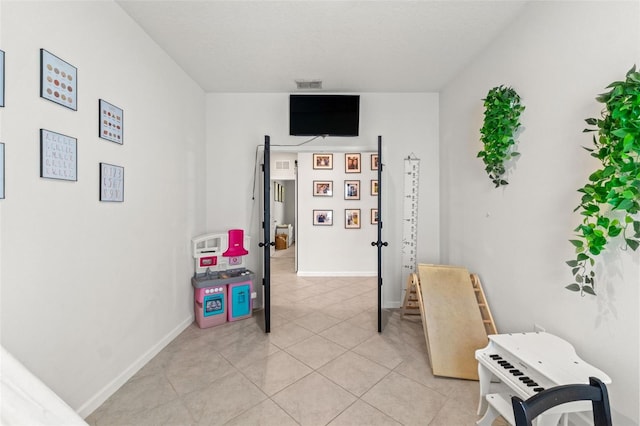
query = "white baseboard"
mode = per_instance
[
  {"x": 586, "y": 419},
  {"x": 98, "y": 399}
]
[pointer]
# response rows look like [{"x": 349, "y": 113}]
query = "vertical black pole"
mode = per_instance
[
  {"x": 266, "y": 227},
  {"x": 379, "y": 234}
]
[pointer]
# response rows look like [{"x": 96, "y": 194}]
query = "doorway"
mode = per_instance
[
  {"x": 284, "y": 205},
  {"x": 361, "y": 233}
]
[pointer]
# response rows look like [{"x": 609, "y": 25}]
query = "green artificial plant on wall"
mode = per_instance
[
  {"x": 501, "y": 121},
  {"x": 611, "y": 198}
]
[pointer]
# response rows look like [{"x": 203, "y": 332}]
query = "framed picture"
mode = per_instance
[
  {"x": 276, "y": 191},
  {"x": 322, "y": 161},
  {"x": 374, "y": 161},
  {"x": 111, "y": 125},
  {"x": 352, "y": 218},
  {"x": 374, "y": 187},
  {"x": 1, "y": 78},
  {"x": 323, "y": 217},
  {"x": 111, "y": 182},
  {"x": 58, "y": 156},
  {"x": 351, "y": 189},
  {"x": 58, "y": 80},
  {"x": 282, "y": 193},
  {"x": 323, "y": 188},
  {"x": 1, "y": 171},
  {"x": 374, "y": 216},
  {"x": 352, "y": 163}
]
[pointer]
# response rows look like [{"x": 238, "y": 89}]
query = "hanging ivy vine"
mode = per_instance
[
  {"x": 501, "y": 121},
  {"x": 611, "y": 198}
]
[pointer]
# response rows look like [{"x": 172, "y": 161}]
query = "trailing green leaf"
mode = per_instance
[
  {"x": 613, "y": 190},
  {"x": 501, "y": 121}
]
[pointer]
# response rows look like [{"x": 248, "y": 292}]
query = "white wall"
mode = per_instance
[
  {"x": 237, "y": 123},
  {"x": 91, "y": 290},
  {"x": 290, "y": 205},
  {"x": 558, "y": 56}
]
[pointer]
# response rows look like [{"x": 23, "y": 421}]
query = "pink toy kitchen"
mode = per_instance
[{"x": 223, "y": 286}]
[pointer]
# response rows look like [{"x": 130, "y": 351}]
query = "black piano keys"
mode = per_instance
[{"x": 517, "y": 373}]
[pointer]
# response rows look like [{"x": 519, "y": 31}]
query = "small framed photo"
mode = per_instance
[
  {"x": 58, "y": 80},
  {"x": 323, "y": 161},
  {"x": 111, "y": 125},
  {"x": 352, "y": 218},
  {"x": 352, "y": 163},
  {"x": 1, "y": 78},
  {"x": 374, "y": 216},
  {"x": 278, "y": 192},
  {"x": 374, "y": 187},
  {"x": 58, "y": 156},
  {"x": 374, "y": 161},
  {"x": 323, "y": 217},
  {"x": 1, "y": 171},
  {"x": 351, "y": 189},
  {"x": 111, "y": 182},
  {"x": 323, "y": 188}
]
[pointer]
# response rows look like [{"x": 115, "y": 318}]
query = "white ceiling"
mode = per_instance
[{"x": 352, "y": 46}]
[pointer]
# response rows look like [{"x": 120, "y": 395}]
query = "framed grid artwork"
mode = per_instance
[
  {"x": 111, "y": 119},
  {"x": 58, "y": 80},
  {"x": 58, "y": 156},
  {"x": 111, "y": 182}
]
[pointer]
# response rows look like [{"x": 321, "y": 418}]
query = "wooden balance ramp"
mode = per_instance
[{"x": 456, "y": 318}]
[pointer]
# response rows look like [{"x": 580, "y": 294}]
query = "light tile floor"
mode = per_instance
[{"x": 324, "y": 363}]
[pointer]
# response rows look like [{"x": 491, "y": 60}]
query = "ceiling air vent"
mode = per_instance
[
  {"x": 308, "y": 84},
  {"x": 283, "y": 165}
]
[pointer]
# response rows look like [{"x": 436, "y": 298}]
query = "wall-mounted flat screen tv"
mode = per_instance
[{"x": 324, "y": 115}]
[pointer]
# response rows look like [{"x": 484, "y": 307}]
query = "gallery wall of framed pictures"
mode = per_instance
[
  {"x": 356, "y": 185},
  {"x": 58, "y": 151}
]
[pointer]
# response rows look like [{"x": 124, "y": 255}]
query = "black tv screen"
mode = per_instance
[{"x": 324, "y": 115}]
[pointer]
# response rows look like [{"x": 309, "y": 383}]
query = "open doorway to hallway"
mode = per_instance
[{"x": 283, "y": 220}]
